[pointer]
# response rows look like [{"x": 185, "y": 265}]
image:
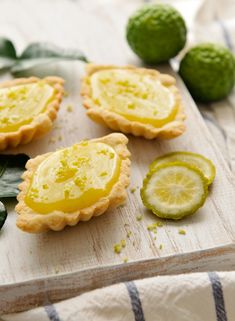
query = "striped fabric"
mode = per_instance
[{"x": 189, "y": 297}]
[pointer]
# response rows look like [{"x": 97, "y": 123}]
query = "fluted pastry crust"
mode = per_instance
[
  {"x": 120, "y": 123},
  {"x": 42, "y": 123},
  {"x": 34, "y": 222}
]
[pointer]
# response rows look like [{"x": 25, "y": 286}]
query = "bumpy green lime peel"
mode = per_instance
[
  {"x": 36, "y": 54},
  {"x": 204, "y": 164},
  {"x": 3, "y": 215},
  {"x": 7, "y": 54},
  {"x": 156, "y": 33},
  {"x": 208, "y": 71}
]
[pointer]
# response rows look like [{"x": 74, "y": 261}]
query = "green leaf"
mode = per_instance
[
  {"x": 3, "y": 215},
  {"x": 7, "y": 54},
  {"x": 37, "y": 54},
  {"x": 6, "y": 63},
  {"x": 11, "y": 169},
  {"x": 47, "y": 50},
  {"x": 7, "y": 48}
]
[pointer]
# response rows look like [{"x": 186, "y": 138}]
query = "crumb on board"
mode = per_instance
[
  {"x": 123, "y": 243},
  {"x": 155, "y": 238},
  {"x": 125, "y": 259},
  {"x": 69, "y": 108},
  {"x": 128, "y": 234},
  {"x": 139, "y": 217},
  {"x": 119, "y": 246},
  {"x": 133, "y": 190},
  {"x": 66, "y": 94},
  {"x": 153, "y": 227},
  {"x": 182, "y": 231},
  {"x": 161, "y": 246}
]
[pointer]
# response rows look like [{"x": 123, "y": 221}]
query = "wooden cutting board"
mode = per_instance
[{"x": 56, "y": 265}]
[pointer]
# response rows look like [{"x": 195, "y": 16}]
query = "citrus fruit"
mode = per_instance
[
  {"x": 208, "y": 71},
  {"x": 174, "y": 190},
  {"x": 156, "y": 33},
  {"x": 201, "y": 162}
]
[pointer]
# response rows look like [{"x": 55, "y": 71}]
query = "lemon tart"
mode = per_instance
[
  {"x": 28, "y": 107},
  {"x": 139, "y": 101},
  {"x": 73, "y": 184}
]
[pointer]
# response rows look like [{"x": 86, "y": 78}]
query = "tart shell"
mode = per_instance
[
  {"x": 119, "y": 123},
  {"x": 33, "y": 222},
  {"x": 40, "y": 124}
]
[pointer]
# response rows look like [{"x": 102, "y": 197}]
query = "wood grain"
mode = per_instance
[{"x": 58, "y": 265}]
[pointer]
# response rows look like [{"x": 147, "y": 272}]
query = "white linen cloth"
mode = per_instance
[
  {"x": 194, "y": 297},
  {"x": 189, "y": 297}
]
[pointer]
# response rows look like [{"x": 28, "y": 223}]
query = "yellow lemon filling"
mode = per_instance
[
  {"x": 137, "y": 97},
  {"x": 20, "y": 104},
  {"x": 74, "y": 178}
]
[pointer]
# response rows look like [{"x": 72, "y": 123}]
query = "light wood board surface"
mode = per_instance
[{"x": 52, "y": 266}]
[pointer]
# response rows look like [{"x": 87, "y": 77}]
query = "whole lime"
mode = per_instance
[
  {"x": 156, "y": 33},
  {"x": 208, "y": 71}
]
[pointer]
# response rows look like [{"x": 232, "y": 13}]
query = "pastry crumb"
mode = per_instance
[
  {"x": 133, "y": 190},
  {"x": 125, "y": 260},
  {"x": 161, "y": 246},
  {"x": 181, "y": 231},
  {"x": 69, "y": 108},
  {"x": 152, "y": 227},
  {"x": 128, "y": 235},
  {"x": 117, "y": 248},
  {"x": 123, "y": 243},
  {"x": 139, "y": 217}
]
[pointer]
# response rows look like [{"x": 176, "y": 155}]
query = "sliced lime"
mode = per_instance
[
  {"x": 174, "y": 190},
  {"x": 201, "y": 162}
]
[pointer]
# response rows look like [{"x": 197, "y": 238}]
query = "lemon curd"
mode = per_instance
[
  {"x": 73, "y": 178},
  {"x": 20, "y": 104},
  {"x": 135, "y": 96}
]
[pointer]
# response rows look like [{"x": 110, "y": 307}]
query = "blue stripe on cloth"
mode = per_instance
[
  {"x": 135, "y": 301},
  {"x": 51, "y": 312},
  {"x": 217, "y": 291},
  {"x": 226, "y": 35}
]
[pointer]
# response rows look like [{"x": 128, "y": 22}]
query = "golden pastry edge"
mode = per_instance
[
  {"x": 119, "y": 123},
  {"x": 42, "y": 123},
  {"x": 32, "y": 222}
]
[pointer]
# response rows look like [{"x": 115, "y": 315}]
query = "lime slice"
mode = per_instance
[
  {"x": 202, "y": 163},
  {"x": 174, "y": 190}
]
